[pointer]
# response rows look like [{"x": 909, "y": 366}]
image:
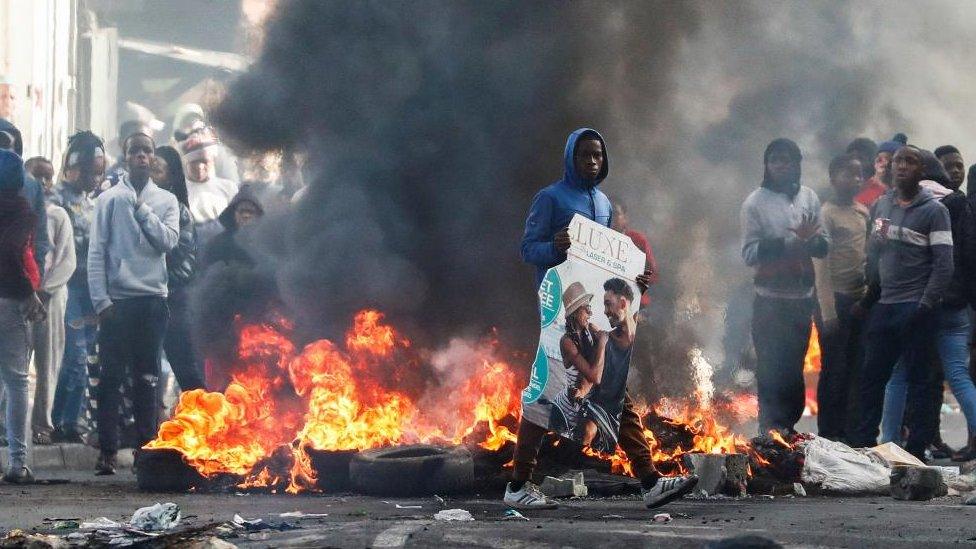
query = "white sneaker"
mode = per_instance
[
  {"x": 529, "y": 497},
  {"x": 668, "y": 489}
]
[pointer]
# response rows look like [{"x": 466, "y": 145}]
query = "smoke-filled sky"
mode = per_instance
[{"x": 430, "y": 125}]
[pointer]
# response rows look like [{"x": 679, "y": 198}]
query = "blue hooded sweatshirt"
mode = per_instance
[
  {"x": 554, "y": 206},
  {"x": 34, "y": 194}
]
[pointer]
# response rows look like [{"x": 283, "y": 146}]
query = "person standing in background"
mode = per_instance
[
  {"x": 207, "y": 194},
  {"x": 49, "y": 334},
  {"x": 621, "y": 223},
  {"x": 841, "y": 284},
  {"x": 82, "y": 172},
  {"x": 781, "y": 232},
  {"x": 181, "y": 266},
  {"x": 19, "y": 306}
]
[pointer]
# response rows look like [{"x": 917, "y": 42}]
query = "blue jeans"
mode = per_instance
[
  {"x": 952, "y": 344},
  {"x": 15, "y": 339},
  {"x": 79, "y": 348},
  {"x": 895, "y": 331}
]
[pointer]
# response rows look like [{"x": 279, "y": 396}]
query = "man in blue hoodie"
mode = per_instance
[
  {"x": 544, "y": 244},
  {"x": 34, "y": 193},
  {"x": 910, "y": 267}
]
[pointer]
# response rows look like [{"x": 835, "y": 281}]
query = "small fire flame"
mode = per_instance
[{"x": 811, "y": 370}]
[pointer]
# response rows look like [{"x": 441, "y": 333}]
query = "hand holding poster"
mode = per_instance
[{"x": 588, "y": 306}]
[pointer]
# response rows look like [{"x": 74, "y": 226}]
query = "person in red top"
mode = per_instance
[
  {"x": 20, "y": 278},
  {"x": 880, "y": 182},
  {"x": 621, "y": 223}
]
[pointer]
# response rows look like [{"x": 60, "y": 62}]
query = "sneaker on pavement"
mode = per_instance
[
  {"x": 19, "y": 475},
  {"x": 528, "y": 497},
  {"x": 42, "y": 438},
  {"x": 105, "y": 464},
  {"x": 668, "y": 489}
]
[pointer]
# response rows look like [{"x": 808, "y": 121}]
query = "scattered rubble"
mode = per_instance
[
  {"x": 917, "y": 483},
  {"x": 460, "y": 515},
  {"x": 726, "y": 474},
  {"x": 572, "y": 485}
]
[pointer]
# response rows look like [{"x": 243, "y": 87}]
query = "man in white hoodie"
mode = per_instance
[{"x": 136, "y": 224}]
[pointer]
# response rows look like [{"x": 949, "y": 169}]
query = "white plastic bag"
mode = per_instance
[
  {"x": 161, "y": 516},
  {"x": 837, "y": 467}
]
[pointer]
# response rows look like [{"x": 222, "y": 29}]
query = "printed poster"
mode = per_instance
[{"x": 588, "y": 307}]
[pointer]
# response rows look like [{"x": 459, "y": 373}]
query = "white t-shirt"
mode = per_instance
[{"x": 208, "y": 200}]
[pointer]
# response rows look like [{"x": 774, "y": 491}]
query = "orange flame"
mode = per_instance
[
  {"x": 327, "y": 398},
  {"x": 811, "y": 370}
]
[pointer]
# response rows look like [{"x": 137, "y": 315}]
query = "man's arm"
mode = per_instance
[
  {"x": 940, "y": 242},
  {"x": 63, "y": 260},
  {"x": 756, "y": 247},
  {"x": 162, "y": 232},
  {"x": 537, "y": 245},
  {"x": 97, "y": 254}
]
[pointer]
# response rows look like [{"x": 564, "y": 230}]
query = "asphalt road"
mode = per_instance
[{"x": 357, "y": 521}]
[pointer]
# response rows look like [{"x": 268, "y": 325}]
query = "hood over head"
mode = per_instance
[
  {"x": 246, "y": 194},
  {"x": 7, "y": 126},
  {"x": 790, "y": 147},
  {"x": 569, "y": 156},
  {"x": 11, "y": 172},
  {"x": 933, "y": 170},
  {"x": 181, "y": 127}
]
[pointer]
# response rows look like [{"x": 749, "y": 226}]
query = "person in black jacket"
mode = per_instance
[
  {"x": 181, "y": 264},
  {"x": 244, "y": 209}
]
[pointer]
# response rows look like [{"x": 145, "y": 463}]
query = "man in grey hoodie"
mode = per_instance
[
  {"x": 910, "y": 266},
  {"x": 781, "y": 232},
  {"x": 136, "y": 224}
]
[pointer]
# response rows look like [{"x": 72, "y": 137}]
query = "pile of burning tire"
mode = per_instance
[{"x": 414, "y": 470}]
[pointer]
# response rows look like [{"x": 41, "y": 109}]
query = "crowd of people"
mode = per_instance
[
  {"x": 886, "y": 269},
  {"x": 98, "y": 261}
]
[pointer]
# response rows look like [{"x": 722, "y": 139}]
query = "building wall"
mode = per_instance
[{"x": 37, "y": 52}]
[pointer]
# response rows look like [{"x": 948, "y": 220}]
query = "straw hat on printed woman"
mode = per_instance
[{"x": 575, "y": 297}]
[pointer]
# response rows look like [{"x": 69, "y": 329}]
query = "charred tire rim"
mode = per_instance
[{"x": 415, "y": 470}]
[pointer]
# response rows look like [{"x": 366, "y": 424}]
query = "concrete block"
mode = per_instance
[
  {"x": 725, "y": 474},
  {"x": 568, "y": 486},
  {"x": 917, "y": 483}
]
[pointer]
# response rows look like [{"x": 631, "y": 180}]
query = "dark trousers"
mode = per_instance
[
  {"x": 130, "y": 344},
  {"x": 893, "y": 333},
  {"x": 780, "y": 334},
  {"x": 180, "y": 353},
  {"x": 842, "y": 353},
  {"x": 631, "y": 440}
]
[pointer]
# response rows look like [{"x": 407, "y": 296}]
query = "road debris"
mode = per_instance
[
  {"x": 302, "y": 514},
  {"x": 461, "y": 515},
  {"x": 568, "y": 486},
  {"x": 156, "y": 518},
  {"x": 101, "y": 523},
  {"x": 512, "y": 514},
  {"x": 662, "y": 517},
  {"x": 20, "y": 538}
]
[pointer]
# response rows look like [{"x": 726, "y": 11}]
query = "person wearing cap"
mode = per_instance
[
  {"x": 881, "y": 181},
  {"x": 544, "y": 245},
  {"x": 82, "y": 173},
  {"x": 208, "y": 195},
  {"x": 19, "y": 306},
  {"x": 136, "y": 224},
  {"x": 781, "y": 233}
]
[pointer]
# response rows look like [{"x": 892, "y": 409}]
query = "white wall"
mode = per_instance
[{"x": 37, "y": 51}]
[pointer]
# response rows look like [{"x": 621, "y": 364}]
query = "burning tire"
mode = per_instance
[{"x": 417, "y": 470}]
